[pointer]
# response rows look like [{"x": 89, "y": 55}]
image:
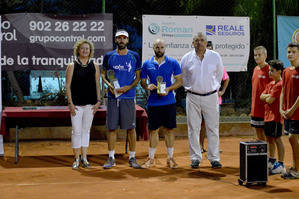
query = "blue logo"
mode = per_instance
[
  {"x": 154, "y": 28},
  {"x": 210, "y": 30}
]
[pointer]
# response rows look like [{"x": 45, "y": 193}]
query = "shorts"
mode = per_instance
[
  {"x": 257, "y": 122},
  {"x": 121, "y": 112},
  {"x": 291, "y": 127},
  {"x": 162, "y": 116},
  {"x": 273, "y": 129}
]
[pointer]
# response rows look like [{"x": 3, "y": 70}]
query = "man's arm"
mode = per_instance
[
  {"x": 282, "y": 112},
  {"x": 225, "y": 84},
  {"x": 289, "y": 113}
]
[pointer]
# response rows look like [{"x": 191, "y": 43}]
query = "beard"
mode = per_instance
[
  {"x": 159, "y": 54},
  {"x": 121, "y": 46}
]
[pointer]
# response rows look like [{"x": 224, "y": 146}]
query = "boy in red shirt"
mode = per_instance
[
  {"x": 260, "y": 79},
  {"x": 273, "y": 126},
  {"x": 289, "y": 103}
]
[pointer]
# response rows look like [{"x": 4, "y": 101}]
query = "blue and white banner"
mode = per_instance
[
  {"x": 230, "y": 37},
  {"x": 287, "y": 32}
]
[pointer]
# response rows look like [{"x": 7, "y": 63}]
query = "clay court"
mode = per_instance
[{"x": 44, "y": 171}]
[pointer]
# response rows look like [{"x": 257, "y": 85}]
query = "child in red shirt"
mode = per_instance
[
  {"x": 260, "y": 79},
  {"x": 273, "y": 120},
  {"x": 289, "y": 103}
]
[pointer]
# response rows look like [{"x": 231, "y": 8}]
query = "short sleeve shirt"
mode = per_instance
[
  {"x": 168, "y": 69},
  {"x": 290, "y": 84},
  {"x": 124, "y": 67},
  {"x": 272, "y": 110},
  {"x": 260, "y": 79}
]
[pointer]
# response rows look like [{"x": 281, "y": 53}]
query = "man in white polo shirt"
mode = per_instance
[{"x": 202, "y": 71}]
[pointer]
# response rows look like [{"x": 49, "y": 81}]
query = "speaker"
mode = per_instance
[{"x": 253, "y": 162}]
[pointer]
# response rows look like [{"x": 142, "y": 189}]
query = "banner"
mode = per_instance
[
  {"x": 1, "y": 137},
  {"x": 230, "y": 37},
  {"x": 45, "y": 42},
  {"x": 287, "y": 32}
]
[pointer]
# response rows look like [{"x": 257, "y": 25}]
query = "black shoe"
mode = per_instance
[
  {"x": 216, "y": 165},
  {"x": 133, "y": 163},
  {"x": 195, "y": 164}
]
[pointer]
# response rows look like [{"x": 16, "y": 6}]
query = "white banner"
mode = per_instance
[{"x": 230, "y": 37}]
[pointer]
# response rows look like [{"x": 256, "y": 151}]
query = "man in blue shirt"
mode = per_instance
[
  {"x": 158, "y": 71},
  {"x": 121, "y": 73}
]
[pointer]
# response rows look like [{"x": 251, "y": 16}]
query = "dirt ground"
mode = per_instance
[{"x": 44, "y": 171}]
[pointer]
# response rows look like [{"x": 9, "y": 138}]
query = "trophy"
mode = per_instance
[
  {"x": 114, "y": 81},
  {"x": 161, "y": 86}
]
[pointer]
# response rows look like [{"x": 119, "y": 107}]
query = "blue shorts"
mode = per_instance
[
  {"x": 162, "y": 116},
  {"x": 291, "y": 127},
  {"x": 121, "y": 112}
]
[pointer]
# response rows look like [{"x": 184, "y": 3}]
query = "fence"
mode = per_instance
[{"x": 127, "y": 14}]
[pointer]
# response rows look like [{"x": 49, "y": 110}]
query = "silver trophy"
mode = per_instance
[
  {"x": 113, "y": 80},
  {"x": 161, "y": 86}
]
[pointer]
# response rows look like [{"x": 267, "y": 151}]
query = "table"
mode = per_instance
[{"x": 47, "y": 116}]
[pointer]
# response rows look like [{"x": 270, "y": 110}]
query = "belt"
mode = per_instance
[{"x": 204, "y": 94}]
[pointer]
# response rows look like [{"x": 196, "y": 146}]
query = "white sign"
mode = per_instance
[{"x": 230, "y": 37}]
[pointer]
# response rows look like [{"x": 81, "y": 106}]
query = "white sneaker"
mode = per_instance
[
  {"x": 270, "y": 165},
  {"x": 278, "y": 168}
]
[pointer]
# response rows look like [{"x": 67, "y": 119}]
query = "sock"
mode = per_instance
[
  {"x": 272, "y": 160},
  {"x": 131, "y": 154},
  {"x": 170, "y": 152},
  {"x": 152, "y": 153},
  {"x": 111, "y": 154}
]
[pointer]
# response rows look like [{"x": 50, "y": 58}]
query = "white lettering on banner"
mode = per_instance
[
  {"x": 9, "y": 36},
  {"x": 22, "y": 60},
  {"x": 51, "y": 61},
  {"x": 45, "y": 38},
  {"x": 64, "y": 26},
  {"x": 7, "y": 61}
]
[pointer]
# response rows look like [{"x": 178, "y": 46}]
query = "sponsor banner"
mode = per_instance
[
  {"x": 45, "y": 42},
  {"x": 230, "y": 37},
  {"x": 287, "y": 32}
]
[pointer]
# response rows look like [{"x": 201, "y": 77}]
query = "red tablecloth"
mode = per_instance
[{"x": 61, "y": 116}]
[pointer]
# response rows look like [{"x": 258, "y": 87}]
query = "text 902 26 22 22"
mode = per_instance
[{"x": 59, "y": 26}]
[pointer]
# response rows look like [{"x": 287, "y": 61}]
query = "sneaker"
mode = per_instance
[
  {"x": 270, "y": 165},
  {"x": 195, "y": 164},
  {"x": 76, "y": 164},
  {"x": 133, "y": 163},
  {"x": 278, "y": 168},
  {"x": 171, "y": 163},
  {"x": 85, "y": 163},
  {"x": 290, "y": 175},
  {"x": 149, "y": 163},
  {"x": 203, "y": 150},
  {"x": 216, "y": 165},
  {"x": 110, "y": 163}
]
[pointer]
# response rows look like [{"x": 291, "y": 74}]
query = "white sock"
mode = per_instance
[
  {"x": 170, "y": 152},
  {"x": 131, "y": 154},
  {"x": 152, "y": 153},
  {"x": 111, "y": 154}
]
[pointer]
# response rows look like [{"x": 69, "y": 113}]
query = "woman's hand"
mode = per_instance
[
  {"x": 73, "y": 109},
  {"x": 96, "y": 107}
]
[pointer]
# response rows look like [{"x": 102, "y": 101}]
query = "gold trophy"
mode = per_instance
[
  {"x": 161, "y": 86},
  {"x": 114, "y": 81}
]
